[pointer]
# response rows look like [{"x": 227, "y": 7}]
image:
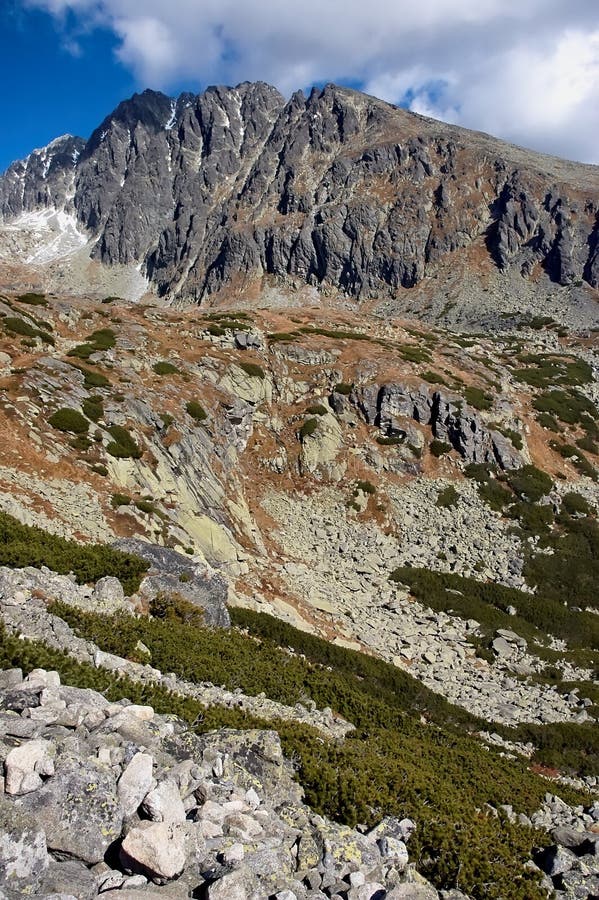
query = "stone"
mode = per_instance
[
  {"x": 368, "y": 891},
  {"x": 164, "y": 803},
  {"x": 135, "y": 782},
  {"x": 32, "y": 758},
  {"x": 202, "y": 586},
  {"x": 502, "y": 647},
  {"x": 70, "y": 877},
  {"x": 229, "y": 887},
  {"x": 78, "y": 809},
  {"x": 108, "y": 594},
  {"x": 23, "y": 852},
  {"x": 556, "y": 860},
  {"x": 154, "y": 849},
  {"x": 10, "y": 678},
  {"x": 412, "y": 891},
  {"x": 234, "y": 854}
]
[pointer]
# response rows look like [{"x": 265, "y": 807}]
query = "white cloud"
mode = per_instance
[{"x": 525, "y": 70}]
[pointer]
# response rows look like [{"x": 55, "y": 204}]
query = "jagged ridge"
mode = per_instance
[{"x": 336, "y": 189}]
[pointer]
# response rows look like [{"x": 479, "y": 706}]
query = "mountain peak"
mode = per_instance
[{"x": 337, "y": 190}]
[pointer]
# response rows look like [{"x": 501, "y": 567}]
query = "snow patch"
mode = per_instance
[
  {"x": 50, "y": 234},
  {"x": 173, "y": 116}
]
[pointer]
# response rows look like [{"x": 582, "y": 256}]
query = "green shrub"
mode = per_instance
[
  {"x": 575, "y": 504},
  {"x": 19, "y": 326},
  {"x": 432, "y": 377},
  {"x": 343, "y": 388},
  {"x": 567, "y": 406},
  {"x": 338, "y": 334},
  {"x": 442, "y": 777},
  {"x": 82, "y": 351},
  {"x": 172, "y": 607},
  {"x": 530, "y": 483},
  {"x": 546, "y": 420},
  {"x": 278, "y": 337},
  {"x": 447, "y": 496},
  {"x": 388, "y": 440},
  {"x": 196, "y": 410},
  {"x": 216, "y": 330},
  {"x": 93, "y": 408},
  {"x": 81, "y": 442},
  {"x": 96, "y": 342},
  {"x": 308, "y": 428},
  {"x": 99, "y": 469},
  {"x": 103, "y": 339},
  {"x": 487, "y": 602},
  {"x": 165, "y": 368},
  {"x": 69, "y": 420},
  {"x": 477, "y": 398},
  {"x": 93, "y": 379},
  {"x": 367, "y": 487},
  {"x": 439, "y": 448},
  {"x": 167, "y": 419},
  {"x": 147, "y": 507},
  {"x": 33, "y": 299},
  {"x": 317, "y": 409},
  {"x": 587, "y": 443},
  {"x": 252, "y": 369},
  {"x": 552, "y": 369},
  {"x": 481, "y": 472},
  {"x": 533, "y": 519},
  {"x": 494, "y": 494},
  {"x": 24, "y": 545},
  {"x": 412, "y": 353},
  {"x": 120, "y": 500},
  {"x": 123, "y": 445}
]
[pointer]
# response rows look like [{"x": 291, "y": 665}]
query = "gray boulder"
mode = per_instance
[
  {"x": 23, "y": 851},
  {"x": 78, "y": 809},
  {"x": 172, "y": 573}
]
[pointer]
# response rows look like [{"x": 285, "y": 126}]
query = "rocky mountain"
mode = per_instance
[
  {"x": 237, "y": 188},
  {"x": 298, "y": 589}
]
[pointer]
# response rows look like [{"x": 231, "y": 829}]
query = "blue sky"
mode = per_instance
[
  {"x": 48, "y": 90},
  {"x": 524, "y": 70}
]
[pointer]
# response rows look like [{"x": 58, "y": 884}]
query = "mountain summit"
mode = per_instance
[{"x": 337, "y": 190}]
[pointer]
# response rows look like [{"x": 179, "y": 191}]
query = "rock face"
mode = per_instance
[
  {"x": 216, "y": 815},
  {"x": 450, "y": 418},
  {"x": 44, "y": 180},
  {"x": 336, "y": 189},
  {"x": 170, "y": 572}
]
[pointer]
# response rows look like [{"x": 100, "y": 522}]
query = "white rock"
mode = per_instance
[
  {"x": 234, "y": 854},
  {"x": 40, "y": 676},
  {"x": 164, "y": 804},
  {"x": 135, "y": 782},
  {"x": 31, "y": 758},
  {"x": 230, "y": 887},
  {"x": 155, "y": 849}
]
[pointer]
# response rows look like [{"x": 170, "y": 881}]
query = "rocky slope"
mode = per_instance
[
  {"x": 238, "y": 190},
  {"x": 409, "y": 492},
  {"x": 305, "y": 461},
  {"x": 162, "y": 812}
]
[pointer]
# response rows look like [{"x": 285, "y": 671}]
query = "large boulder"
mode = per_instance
[
  {"x": 156, "y": 850},
  {"x": 173, "y": 573},
  {"x": 135, "y": 782},
  {"x": 23, "y": 852},
  {"x": 78, "y": 809}
]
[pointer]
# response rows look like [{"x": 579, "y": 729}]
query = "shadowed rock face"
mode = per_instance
[{"x": 337, "y": 189}]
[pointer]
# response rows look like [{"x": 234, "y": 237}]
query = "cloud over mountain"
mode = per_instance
[{"x": 526, "y": 70}]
